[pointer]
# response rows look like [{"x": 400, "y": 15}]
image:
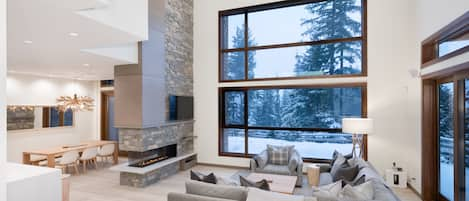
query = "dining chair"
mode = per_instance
[
  {"x": 89, "y": 156},
  {"x": 68, "y": 159},
  {"x": 106, "y": 151}
]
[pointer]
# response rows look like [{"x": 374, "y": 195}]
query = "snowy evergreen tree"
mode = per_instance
[
  {"x": 234, "y": 63},
  {"x": 330, "y": 21}
]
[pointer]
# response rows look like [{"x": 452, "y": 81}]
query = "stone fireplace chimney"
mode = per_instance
[{"x": 142, "y": 90}]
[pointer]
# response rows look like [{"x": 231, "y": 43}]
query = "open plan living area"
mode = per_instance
[{"x": 234, "y": 100}]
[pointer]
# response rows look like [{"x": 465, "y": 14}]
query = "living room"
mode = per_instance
[{"x": 322, "y": 99}]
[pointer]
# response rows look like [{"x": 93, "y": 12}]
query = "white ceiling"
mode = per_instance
[{"x": 53, "y": 52}]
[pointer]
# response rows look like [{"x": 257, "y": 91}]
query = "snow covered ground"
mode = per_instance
[
  {"x": 235, "y": 144},
  {"x": 447, "y": 180}
]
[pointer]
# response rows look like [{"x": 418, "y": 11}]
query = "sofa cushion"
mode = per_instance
[
  {"x": 262, "y": 184},
  {"x": 357, "y": 161},
  {"x": 382, "y": 192},
  {"x": 217, "y": 191},
  {"x": 279, "y": 155},
  {"x": 227, "y": 181},
  {"x": 325, "y": 178},
  {"x": 345, "y": 172},
  {"x": 190, "y": 197},
  {"x": 355, "y": 182},
  {"x": 255, "y": 194},
  {"x": 328, "y": 192},
  {"x": 363, "y": 192},
  {"x": 275, "y": 169},
  {"x": 370, "y": 174}
]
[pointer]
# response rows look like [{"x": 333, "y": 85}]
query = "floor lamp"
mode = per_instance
[{"x": 357, "y": 127}]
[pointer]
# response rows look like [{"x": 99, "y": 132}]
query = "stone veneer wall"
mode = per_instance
[
  {"x": 142, "y": 180},
  {"x": 179, "y": 47},
  {"x": 141, "y": 140}
]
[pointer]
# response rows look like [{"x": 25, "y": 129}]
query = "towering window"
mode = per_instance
[
  {"x": 308, "y": 117},
  {"x": 291, "y": 40}
]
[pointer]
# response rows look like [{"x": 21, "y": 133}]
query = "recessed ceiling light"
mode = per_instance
[
  {"x": 73, "y": 34},
  {"x": 27, "y": 41},
  {"x": 86, "y": 64}
]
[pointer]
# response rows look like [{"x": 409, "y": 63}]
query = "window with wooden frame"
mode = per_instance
[
  {"x": 293, "y": 39},
  {"x": 308, "y": 117},
  {"x": 452, "y": 40}
]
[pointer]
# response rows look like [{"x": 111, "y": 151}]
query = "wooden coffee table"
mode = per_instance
[{"x": 278, "y": 183}]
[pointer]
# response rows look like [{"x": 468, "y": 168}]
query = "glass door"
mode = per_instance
[
  {"x": 446, "y": 139},
  {"x": 466, "y": 136}
]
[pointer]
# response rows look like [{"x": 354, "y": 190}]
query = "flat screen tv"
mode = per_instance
[{"x": 181, "y": 108}]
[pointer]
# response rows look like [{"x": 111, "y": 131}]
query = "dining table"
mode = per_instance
[{"x": 52, "y": 153}]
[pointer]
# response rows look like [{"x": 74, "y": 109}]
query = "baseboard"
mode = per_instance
[
  {"x": 223, "y": 166},
  {"x": 413, "y": 190}
]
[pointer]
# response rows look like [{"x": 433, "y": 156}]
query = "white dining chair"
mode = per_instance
[
  {"x": 89, "y": 156},
  {"x": 106, "y": 151},
  {"x": 69, "y": 158}
]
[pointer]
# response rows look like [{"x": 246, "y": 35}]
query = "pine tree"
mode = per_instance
[
  {"x": 233, "y": 70},
  {"x": 234, "y": 63},
  {"x": 330, "y": 21}
]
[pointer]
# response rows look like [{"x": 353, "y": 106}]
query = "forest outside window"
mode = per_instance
[
  {"x": 307, "y": 39},
  {"x": 307, "y": 117}
]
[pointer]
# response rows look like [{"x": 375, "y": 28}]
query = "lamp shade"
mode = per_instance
[{"x": 357, "y": 125}]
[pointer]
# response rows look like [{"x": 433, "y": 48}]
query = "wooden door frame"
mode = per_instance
[
  {"x": 104, "y": 117},
  {"x": 429, "y": 137},
  {"x": 104, "y": 112}
]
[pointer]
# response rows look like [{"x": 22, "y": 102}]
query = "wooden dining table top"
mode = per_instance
[{"x": 62, "y": 149}]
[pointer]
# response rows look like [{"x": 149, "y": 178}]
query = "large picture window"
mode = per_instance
[
  {"x": 308, "y": 117},
  {"x": 293, "y": 39}
]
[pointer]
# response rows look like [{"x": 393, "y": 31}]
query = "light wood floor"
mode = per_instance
[{"x": 103, "y": 185}]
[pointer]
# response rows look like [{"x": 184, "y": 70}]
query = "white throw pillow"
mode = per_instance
[
  {"x": 328, "y": 191},
  {"x": 255, "y": 194},
  {"x": 361, "y": 192}
]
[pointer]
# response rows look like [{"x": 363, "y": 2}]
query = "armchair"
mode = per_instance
[{"x": 262, "y": 164}]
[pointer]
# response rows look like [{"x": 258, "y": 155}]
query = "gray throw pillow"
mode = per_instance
[
  {"x": 345, "y": 172},
  {"x": 356, "y": 182},
  {"x": 261, "y": 159},
  {"x": 357, "y": 161},
  {"x": 210, "y": 178},
  {"x": 279, "y": 155},
  {"x": 339, "y": 161},
  {"x": 263, "y": 184},
  {"x": 336, "y": 153}
]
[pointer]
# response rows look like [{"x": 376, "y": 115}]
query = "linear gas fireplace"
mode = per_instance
[{"x": 143, "y": 159}]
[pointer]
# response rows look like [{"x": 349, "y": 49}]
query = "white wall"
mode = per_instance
[
  {"x": 3, "y": 66},
  {"x": 393, "y": 95},
  {"x": 34, "y": 90}
]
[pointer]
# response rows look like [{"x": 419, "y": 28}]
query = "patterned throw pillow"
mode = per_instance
[
  {"x": 279, "y": 155},
  {"x": 262, "y": 184},
  {"x": 210, "y": 178}
]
